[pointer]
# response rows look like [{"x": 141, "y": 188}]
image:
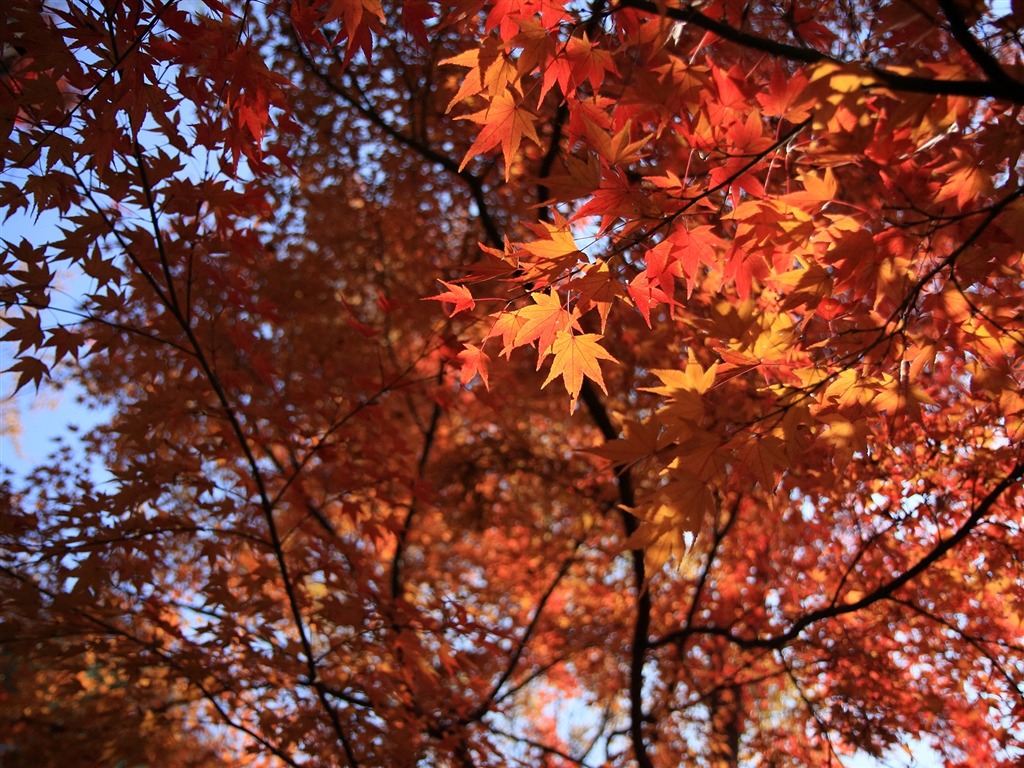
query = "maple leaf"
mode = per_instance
[
  {"x": 845, "y": 436},
  {"x": 536, "y": 52},
  {"x": 26, "y": 330},
  {"x": 693, "y": 247},
  {"x": 490, "y": 71},
  {"x": 640, "y": 440},
  {"x": 580, "y": 178},
  {"x": 542, "y": 322},
  {"x": 670, "y": 516},
  {"x": 596, "y": 287},
  {"x": 507, "y": 325},
  {"x": 692, "y": 378},
  {"x": 684, "y": 390},
  {"x": 783, "y": 98},
  {"x": 576, "y": 356},
  {"x": 589, "y": 63},
  {"x": 474, "y": 362},
  {"x": 805, "y": 287},
  {"x": 647, "y": 293},
  {"x": 763, "y": 456},
  {"x": 505, "y": 121},
  {"x": 553, "y": 253},
  {"x": 414, "y": 14},
  {"x": 966, "y": 182},
  {"x": 30, "y": 370},
  {"x": 617, "y": 149},
  {"x": 458, "y": 295}
]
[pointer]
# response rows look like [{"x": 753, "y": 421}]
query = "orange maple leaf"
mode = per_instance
[
  {"x": 966, "y": 182},
  {"x": 784, "y": 97},
  {"x": 553, "y": 253},
  {"x": 617, "y": 149},
  {"x": 458, "y": 295},
  {"x": 490, "y": 71},
  {"x": 543, "y": 321},
  {"x": 474, "y": 361},
  {"x": 576, "y": 357},
  {"x": 504, "y": 122}
]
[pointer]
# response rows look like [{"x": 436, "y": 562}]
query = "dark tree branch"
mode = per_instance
[
  {"x": 884, "y": 592},
  {"x": 642, "y": 625},
  {"x": 168, "y": 298},
  {"x": 1015, "y": 686},
  {"x": 812, "y": 710},
  {"x": 424, "y": 150},
  {"x": 403, "y": 534},
  {"x": 690, "y": 15},
  {"x": 517, "y": 654},
  {"x": 985, "y": 60},
  {"x": 536, "y": 745},
  {"x": 716, "y": 542},
  {"x": 1001, "y": 86}
]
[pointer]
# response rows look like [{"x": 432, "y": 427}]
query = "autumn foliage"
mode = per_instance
[{"x": 526, "y": 382}]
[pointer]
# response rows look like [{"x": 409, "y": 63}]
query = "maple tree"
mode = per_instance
[{"x": 528, "y": 382}]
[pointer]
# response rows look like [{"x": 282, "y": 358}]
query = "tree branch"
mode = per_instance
[
  {"x": 985, "y": 60},
  {"x": 513, "y": 661},
  {"x": 883, "y": 592},
  {"x": 403, "y": 533},
  {"x": 425, "y": 151},
  {"x": 167, "y": 657},
  {"x": 999, "y": 87}
]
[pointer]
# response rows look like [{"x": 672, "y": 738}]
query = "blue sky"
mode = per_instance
[{"x": 45, "y": 415}]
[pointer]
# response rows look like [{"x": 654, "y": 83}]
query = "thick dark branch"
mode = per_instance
[
  {"x": 975, "y": 642},
  {"x": 1000, "y": 86},
  {"x": 424, "y": 150},
  {"x": 403, "y": 535},
  {"x": 691, "y": 15},
  {"x": 548, "y": 162},
  {"x": 716, "y": 543},
  {"x": 638, "y": 652},
  {"x": 972, "y": 89},
  {"x": 599, "y": 415},
  {"x": 267, "y": 507},
  {"x": 884, "y": 592},
  {"x": 985, "y": 60},
  {"x": 642, "y": 625},
  {"x": 536, "y": 745}
]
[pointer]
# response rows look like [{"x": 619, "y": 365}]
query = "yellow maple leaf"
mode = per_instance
[
  {"x": 693, "y": 378},
  {"x": 671, "y": 518}
]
